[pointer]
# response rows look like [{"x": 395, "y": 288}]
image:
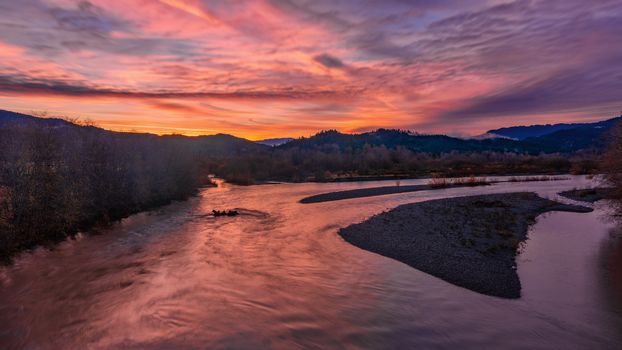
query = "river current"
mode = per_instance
[{"x": 279, "y": 276}]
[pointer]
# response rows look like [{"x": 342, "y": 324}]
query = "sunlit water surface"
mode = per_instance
[{"x": 279, "y": 276}]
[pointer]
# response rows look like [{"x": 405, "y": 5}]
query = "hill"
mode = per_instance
[
  {"x": 393, "y": 139},
  {"x": 554, "y": 138},
  {"x": 590, "y": 136},
  {"x": 210, "y": 145},
  {"x": 7, "y": 117},
  {"x": 525, "y": 132}
]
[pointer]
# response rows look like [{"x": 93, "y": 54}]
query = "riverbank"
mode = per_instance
[
  {"x": 468, "y": 241},
  {"x": 384, "y": 190},
  {"x": 433, "y": 184},
  {"x": 589, "y": 195}
]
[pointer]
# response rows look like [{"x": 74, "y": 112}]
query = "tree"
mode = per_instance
[{"x": 612, "y": 165}]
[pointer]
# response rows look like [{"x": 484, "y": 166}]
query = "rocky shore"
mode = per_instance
[
  {"x": 384, "y": 190},
  {"x": 589, "y": 195},
  {"x": 471, "y": 241}
]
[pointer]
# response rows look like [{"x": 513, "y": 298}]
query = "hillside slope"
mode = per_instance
[{"x": 525, "y": 132}]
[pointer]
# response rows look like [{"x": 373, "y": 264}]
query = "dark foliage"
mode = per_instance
[
  {"x": 525, "y": 132},
  {"x": 55, "y": 181},
  {"x": 329, "y": 162},
  {"x": 612, "y": 164},
  {"x": 563, "y": 141}
]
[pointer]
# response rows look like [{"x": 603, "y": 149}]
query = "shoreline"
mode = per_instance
[
  {"x": 375, "y": 178},
  {"x": 376, "y": 191},
  {"x": 470, "y": 242},
  {"x": 447, "y": 176},
  {"x": 395, "y": 189},
  {"x": 588, "y": 195}
]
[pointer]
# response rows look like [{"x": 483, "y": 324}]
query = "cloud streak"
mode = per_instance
[{"x": 10, "y": 85}]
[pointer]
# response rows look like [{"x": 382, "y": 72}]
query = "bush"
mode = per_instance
[
  {"x": 57, "y": 181},
  {"x": 612, "y": 165},
  {"x": 438, "y": 182}
]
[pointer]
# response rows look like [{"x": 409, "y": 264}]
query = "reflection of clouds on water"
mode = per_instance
[
  {"x": 279, "y": 276},
  {"x": 611, "y": 261}
]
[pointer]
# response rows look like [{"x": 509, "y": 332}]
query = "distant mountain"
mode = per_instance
[
  {"x": 225, "y": 145},
  {"x": 589, "y": 136},
  {"x": 525, "y": 132},
  {"x": 275, "y": 142},
  {"x": 558, "y": 139}
]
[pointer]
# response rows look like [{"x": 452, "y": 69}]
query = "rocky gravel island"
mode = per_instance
[{"x": 470, "y": 241}]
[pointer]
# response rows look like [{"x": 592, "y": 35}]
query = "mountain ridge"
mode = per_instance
[
  {"x": 552, "y": 138},
  {"x": 523, "y": 132}
]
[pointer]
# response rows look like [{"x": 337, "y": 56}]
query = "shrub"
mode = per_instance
[{"x": 612, "y": 165}]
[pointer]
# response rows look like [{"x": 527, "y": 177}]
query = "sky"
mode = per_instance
[{"x": 277, "y": 68}]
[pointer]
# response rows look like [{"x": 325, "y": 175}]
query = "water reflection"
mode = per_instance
[
  {"x": 610, "y": 265},
  {"x": 278, "y": 276}
]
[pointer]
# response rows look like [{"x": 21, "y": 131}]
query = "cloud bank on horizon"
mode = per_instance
[{"x": 267, "y": 68}]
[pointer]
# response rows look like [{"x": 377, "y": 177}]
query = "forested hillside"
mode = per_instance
[{"x": 525, "y": 132}]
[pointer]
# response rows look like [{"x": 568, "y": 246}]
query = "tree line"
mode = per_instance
[
  {"x": 331, "y": 163},
  {"x": 612, "y": 166},
  {"x": 55, "y": 181}
]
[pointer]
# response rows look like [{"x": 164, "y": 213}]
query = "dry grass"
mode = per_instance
[
  {"x": 612, "y": 166},
  {"x": 537, "y": 178},
  {"x": 439, "y": 182},
  {"x": 442, "y": 182}
]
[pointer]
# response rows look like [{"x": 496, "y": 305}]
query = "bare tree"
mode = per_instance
[{"x": 612, "y": 164}]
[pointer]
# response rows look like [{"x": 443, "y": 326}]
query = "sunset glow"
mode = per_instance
[{"x": 276, "y": 68}]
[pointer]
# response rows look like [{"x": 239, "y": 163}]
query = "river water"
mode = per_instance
[{"x": 279, "y": 276}]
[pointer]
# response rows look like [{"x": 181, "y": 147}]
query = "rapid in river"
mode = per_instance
[{"x": 278, "y": 276}]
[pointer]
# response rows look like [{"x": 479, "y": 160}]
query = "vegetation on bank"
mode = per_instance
[
  {"x": 612, "y": 165},
  {"x": 55, "y": 181},
  {"x": 589, "y": 195},
  {"x": 329, "y": 163},
  {"x": 437, "y": 181},
  {"x": 538, "y": 178},
  {"x": 385, "y": 190}
]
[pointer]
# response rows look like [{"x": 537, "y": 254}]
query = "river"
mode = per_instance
[{"x": 279, "y": 276}]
